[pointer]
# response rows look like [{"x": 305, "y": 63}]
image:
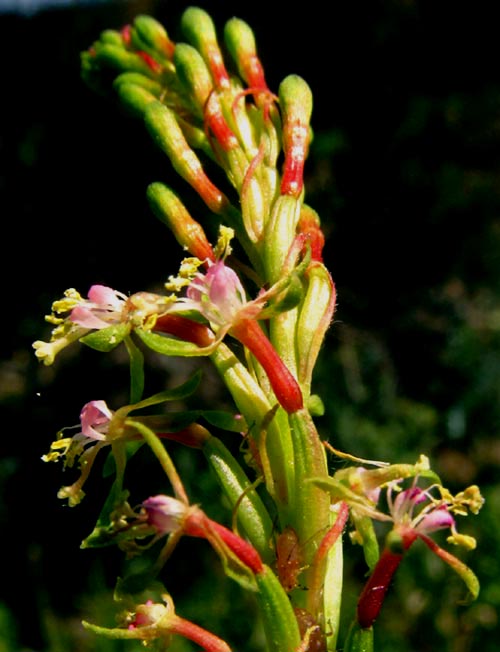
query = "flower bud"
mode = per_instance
[
  {"x": 240, "y": 42},
  {"x": 112, "y": 37},
  {"x": 296, "y": 108},
  {"x": 135, "y": 98},
  {"x": 193, "y": 74},
  {"x": 189, "y": 234},
  {"x": 199, "y": 29},
  {"x": 149, "y": 35},
  {"x": 164, "y": 128},
  {"x": 121, "y": 60}
]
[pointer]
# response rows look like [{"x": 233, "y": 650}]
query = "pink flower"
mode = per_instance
[
  {"x": 220, "y": 297},
  {"x": 433, "y": 516},
  {"x": 94, "y": 419},
  {"x": 103, "y": 307},
  {"x": 165, "y": 513}
]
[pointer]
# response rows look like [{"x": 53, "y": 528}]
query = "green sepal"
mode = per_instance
[
  {"x": 136, "y": 361},
  {"x": 251, "y": 512},
  {"x": 366, "y": 531},
  {"x": 170, "y": 346},
  {"x": 106, "y": 339},
  {"x": 278, "y": 617},
  {"x": 359, "y": 639}
]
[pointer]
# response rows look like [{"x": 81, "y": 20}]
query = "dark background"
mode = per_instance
[{"x": 405, "y": 173}]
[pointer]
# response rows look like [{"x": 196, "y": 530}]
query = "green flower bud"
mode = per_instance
[
  {"x": 240, "y": 42},
  {"x": 193, "y": 74},
  {"x": 149, "y": 35},
  {"x": 296, "y": 108},
  {"x": 199, "y": 29},
  {"x": 112, "y": 37}
]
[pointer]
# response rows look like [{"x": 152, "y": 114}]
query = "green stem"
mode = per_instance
[{"x": 163, "y": 457}]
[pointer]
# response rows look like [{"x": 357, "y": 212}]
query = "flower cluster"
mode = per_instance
[{"x": 259, "y": 311}]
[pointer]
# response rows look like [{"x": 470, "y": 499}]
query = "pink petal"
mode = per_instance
[
  {"x": 165, "y": 513},
  {"x": 438, "y": 519},
  {"x": 94, "y": 414},
  {"x": 105, "y": 296},
  {"x": 85, "y": 317}
]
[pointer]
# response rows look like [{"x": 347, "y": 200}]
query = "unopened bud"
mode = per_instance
[
  {"x": 240, "y": 42},
  {"x": 164, "y": 128},
  {"x": 189, "y": 234},
  {"x": 149, "y": 35},
  {"x": 193, "y": 74},
  {"x": 296, "y": 108},
  {"x": 112, "y": 37},
  {"x": 135, "y": 98},
  {"x": 199, "y": 29},
  {"x": 121, "y": 60}
]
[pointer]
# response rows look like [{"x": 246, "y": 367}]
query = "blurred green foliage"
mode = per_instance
[{"x": 405, "y": 172}]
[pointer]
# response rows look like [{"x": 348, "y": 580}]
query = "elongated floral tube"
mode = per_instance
[
  {"x": 240, "y": 42},
  {"x": 285, "y": 386},
  {"x": 165, "y": 130},
  {"x": 199, "y": 29},
  {"x": 122, "y": 60},
  {"x": 150, "y": 35},
  {"x": 135, "y": 98},
  {"x": 197, "y": 524},
  {"x": 372, "y": 597},
  {"x": 189, "y": 233},
  {"x": 296, "y": 107},
  {"x": 194, "y": 75},
  {"x": 185, "y": 329}
]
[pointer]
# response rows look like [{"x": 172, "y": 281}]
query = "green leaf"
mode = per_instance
[{"x": 106, "y": 339}]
